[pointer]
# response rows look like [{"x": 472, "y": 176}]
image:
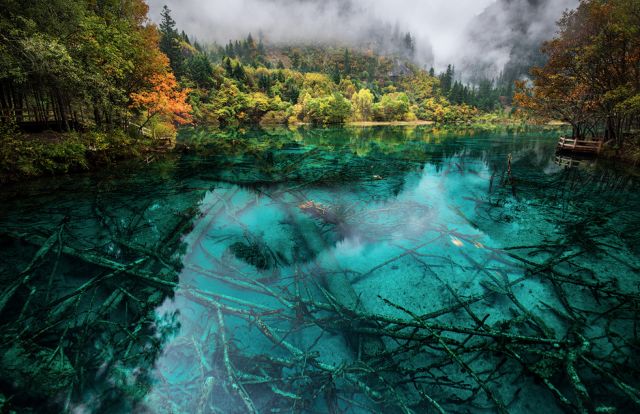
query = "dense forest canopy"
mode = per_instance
[
  {"x": 83, "y": 63},
  {"x": 253, "y": 81},
  {"x": 102, "y": 66}
]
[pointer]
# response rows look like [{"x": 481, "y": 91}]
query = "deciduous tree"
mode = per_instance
[{"x": 165, "y": 99}]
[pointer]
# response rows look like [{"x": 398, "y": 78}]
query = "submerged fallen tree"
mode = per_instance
[
  {"x": 565, "y": 364},
  {"x": 82, "y": 309}
]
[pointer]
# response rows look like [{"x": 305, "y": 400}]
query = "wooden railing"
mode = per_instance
[
  {"x": 143, "y": 130},
  {"x": 165, "y": 140},
  {"x": 580, "y": 145},
  {"x": 568, "y": 161}
]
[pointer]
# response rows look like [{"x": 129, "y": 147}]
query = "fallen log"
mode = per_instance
[{"x": 164, "y": 280}]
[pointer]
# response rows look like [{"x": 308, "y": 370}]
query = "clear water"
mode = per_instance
[{"x": 395, "y": 270}]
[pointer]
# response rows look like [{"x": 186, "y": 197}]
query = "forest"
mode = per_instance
[
  {"x": 250, "y": 82},
  {"x": 319, "y": 206},
  {"x": 106, "y": 66},
  {"x": 117, "y": 84},
  {"x": 592, "y": 77}
]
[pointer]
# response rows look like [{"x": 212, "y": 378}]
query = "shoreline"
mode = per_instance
[{"x": 389, "y": 123}]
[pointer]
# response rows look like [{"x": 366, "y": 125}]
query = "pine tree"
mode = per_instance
[
  {"x": 409, "y": 45},
  {"x": 185, "y": 37},
  {"x": 228, "y": 67},
  {"x": 335, "y": 74},
  {"x": 264, "y": 82},
  {"x": 446, "y": 80},
  {"x": 170, "y": 41},
  {"x": 167, "y": 24},
  {"x": 238, "y": 72},
  {"x": 296, "y": 60},
  {"x": 347, "y": 62}
]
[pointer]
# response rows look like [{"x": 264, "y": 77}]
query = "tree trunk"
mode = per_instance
[{"x": 96, "y": 115}]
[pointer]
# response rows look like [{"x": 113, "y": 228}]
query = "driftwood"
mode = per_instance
[{"x": 401, "y": 360}]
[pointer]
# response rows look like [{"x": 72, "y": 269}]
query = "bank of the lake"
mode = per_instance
[
  {"x": 389, "y": 123},
  {"x": 28, "y": 155}
]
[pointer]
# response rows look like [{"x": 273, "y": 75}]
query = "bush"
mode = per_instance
[
  {"x": 29, "y": 156},
  {"x": 50, "y": 153},
  {"x": 164, "y": 131},
  {"x": 274, "y": 118},
  {"x": 392, "y": 107},
  {"x": 332, "y": 109}
]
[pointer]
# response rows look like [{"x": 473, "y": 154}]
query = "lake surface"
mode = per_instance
[{"x": 344, "y": 270}]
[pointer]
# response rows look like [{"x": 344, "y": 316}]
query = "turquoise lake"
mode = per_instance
[{"x": 338, "y": 270}]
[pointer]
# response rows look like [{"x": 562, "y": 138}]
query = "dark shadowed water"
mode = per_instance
[{"x": 355, "y": 270}]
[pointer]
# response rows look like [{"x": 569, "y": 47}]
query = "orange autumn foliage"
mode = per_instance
[{"x": 163, "y": 98}]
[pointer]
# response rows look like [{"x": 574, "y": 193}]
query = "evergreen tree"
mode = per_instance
[
  {"x": 409, "y": 45},
  {"x": 347, "y": 62},
  {"x": 170, "y": 41},
  {"x": 227, "y": 65},
  {"x": 291, "y": 91},
  {"x": 264, "y": 82},
  {"x": 185, "y": 37},
  {"x": 239, "y": 72},
  {"x": 200, "y": 70},
  {"x": 446, "y": 80},
  {"x": 335, "y": 74},
  {"x": 167, "y": 24},
  {"x": 296, "y": 60}
]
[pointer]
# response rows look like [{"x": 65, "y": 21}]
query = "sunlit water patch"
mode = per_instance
[{"x": 340, "y": 270}]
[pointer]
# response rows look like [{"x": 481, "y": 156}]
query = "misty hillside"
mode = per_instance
[
  {"x": 481, "y": 38},
  {"x": 507, "y": 37},
  {"x": 366, "y": 61}
]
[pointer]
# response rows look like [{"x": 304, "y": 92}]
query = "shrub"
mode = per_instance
[
  {"x": 332, "y": 109},
  {"x": 392, "y": 107},
  {"x": 274, "y": 118}
]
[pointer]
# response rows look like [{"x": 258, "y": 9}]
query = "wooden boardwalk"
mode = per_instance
[
  {"x": 568, "y": 161},
  {"x": 593, "y": 146},
  {"x": 166, "y": 141}
]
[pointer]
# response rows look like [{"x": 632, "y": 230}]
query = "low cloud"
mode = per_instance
[
  {"x": 446, "y": 31},
  {"x": 508, "y": 34}
]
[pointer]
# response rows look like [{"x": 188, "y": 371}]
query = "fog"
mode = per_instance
[
  {"x": 507, "y": 36},
  {"x": 446, "y": 31}
]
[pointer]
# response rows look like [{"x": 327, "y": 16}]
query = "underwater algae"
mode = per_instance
[{"x": 339, "y": 270}]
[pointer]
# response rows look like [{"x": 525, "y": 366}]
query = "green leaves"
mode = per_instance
[
  {"x": 392, "y": 107},
  {"x": 331, "y": 109}
]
